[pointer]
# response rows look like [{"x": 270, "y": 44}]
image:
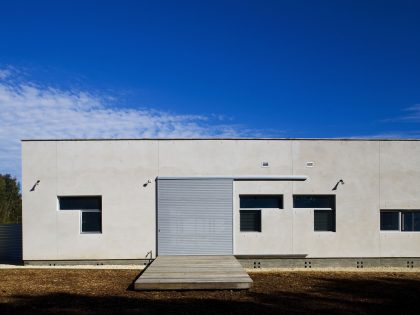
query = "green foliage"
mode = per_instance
[{"x": 10, "y": 200}]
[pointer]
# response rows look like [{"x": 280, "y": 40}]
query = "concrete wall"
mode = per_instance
[
  {"x": 116, "y": 171},
  {"x": 377, "y": 174}
]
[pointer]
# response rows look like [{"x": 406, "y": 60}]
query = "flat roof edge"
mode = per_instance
[
  {"x": 240, "y": 177},
  {"x": 227, "y": 139}
]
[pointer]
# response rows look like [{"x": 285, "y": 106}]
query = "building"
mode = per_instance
[{"x": 277, "y": 202}]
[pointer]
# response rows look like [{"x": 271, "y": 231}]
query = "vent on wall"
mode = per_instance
[
  {"x": 310, "y": 164},
  {"x": 265, "y": 164}
]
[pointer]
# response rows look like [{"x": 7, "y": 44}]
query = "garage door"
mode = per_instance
[{"x": 194, "y": 217}]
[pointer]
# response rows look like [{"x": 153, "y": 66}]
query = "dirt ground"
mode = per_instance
[{"x": 78, "y": 291}]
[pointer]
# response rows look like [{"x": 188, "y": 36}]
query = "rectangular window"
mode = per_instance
[
  {"x": 314, "y": 201},
  {"x": 79, "y": 203},
  {"x": 90, "y": 208},
  {"x": 400, "y": 220},
  {"x": 410, "y": 221},
  {"x": 261, "y": 201},
  {"x": 324, "y": 220},
  {"x": 324, "y": 210},
  {"x": 250, "y": 220},
  {"x": 390, "y": 220}
]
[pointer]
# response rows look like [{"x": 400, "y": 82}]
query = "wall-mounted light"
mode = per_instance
[
  {"x": 147, "y": 183},
  {"x": 34, "y": 186},
  {"x": 338, "y": 183}
]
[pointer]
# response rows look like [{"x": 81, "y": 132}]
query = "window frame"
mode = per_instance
[
  {"x": 314, "y": 209},
  {"x": 259, "y": 210},
  {"x": 399, "y": 220},
  {"x": 401, "y": 213},
  {"x": 81, "y": 211}
]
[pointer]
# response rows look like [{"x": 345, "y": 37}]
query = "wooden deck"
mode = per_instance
[{"x": 193, "y": 273}]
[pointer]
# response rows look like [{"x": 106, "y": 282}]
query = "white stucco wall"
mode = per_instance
[{"x": 377, "y": 174}]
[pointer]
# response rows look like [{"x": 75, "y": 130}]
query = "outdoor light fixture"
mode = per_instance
[
  {"x": 339, "y": 182},
  {"x": 36, "y": 184},
  {"x": 147, "y": 183}
]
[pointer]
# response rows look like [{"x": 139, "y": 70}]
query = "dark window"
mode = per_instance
[
  {"x": 411, "y": 221},
  {"x": 324, "y": 220},
  {"x": 314, "y": 201},
  {"x": 390, "y": 221},
  {"x": 90, "y": 208},
  {"x": 91, "y": 222},
  {"x": 250, "y": 220},
  {"x": 79, "y": 203},
  {"x": 261, "y": 201}
]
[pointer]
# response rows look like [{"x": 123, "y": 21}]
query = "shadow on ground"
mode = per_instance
[{"x": 274, "y": 293}]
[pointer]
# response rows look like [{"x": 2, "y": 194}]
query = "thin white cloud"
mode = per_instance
[
  {"x": 385, "y": 135},
  {"x": 4, "y": 73},
  {"x": 31, "y": 111},
  {"x": 413, "y": 113}
]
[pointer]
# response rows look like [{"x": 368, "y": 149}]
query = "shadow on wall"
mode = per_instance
[{"x": 286, "y": 293}]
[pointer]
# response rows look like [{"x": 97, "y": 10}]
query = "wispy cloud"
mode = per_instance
[
  {"x": 412, "y": 113},
  {"x": 409, "y": 116},
  {"x": 387, "y": 135},
  {"x": 4, "y": 73},
  {"x": 32, "y": 111}
]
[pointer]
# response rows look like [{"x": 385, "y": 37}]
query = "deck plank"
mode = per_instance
[{"x": 194, "y": 273}]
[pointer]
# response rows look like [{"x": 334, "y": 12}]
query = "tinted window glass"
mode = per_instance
[
  {"x": 411, "y": 221},
  {"x": 91, "y": 221},
  {"x": 314, "y": 201},
  {"x": 77, "y": 203},
  {"x": 390, "y": 221},
  {"x": 262, "y": 201},
  {"x": 324, "y": 220},
  {"x": 416, "y": 219},
  {"x": 250, "y": 220}
]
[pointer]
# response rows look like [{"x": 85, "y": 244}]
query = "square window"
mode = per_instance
[
  {"x": 91, "y": 222},
  {"x": 250, "y": 220},
  {"x": 390, "y": 221},
  {"x": 324, "y": 220}
]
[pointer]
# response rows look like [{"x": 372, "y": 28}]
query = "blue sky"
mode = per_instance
[{"x": 207, "y": 68}]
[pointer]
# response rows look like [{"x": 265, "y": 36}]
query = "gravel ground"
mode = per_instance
[
  {"x": 252, "y": 270},
  {"x": 136, "y": 267},
  {"x": 336, "y": 269},
  {"x": 109, "y": 291}
]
